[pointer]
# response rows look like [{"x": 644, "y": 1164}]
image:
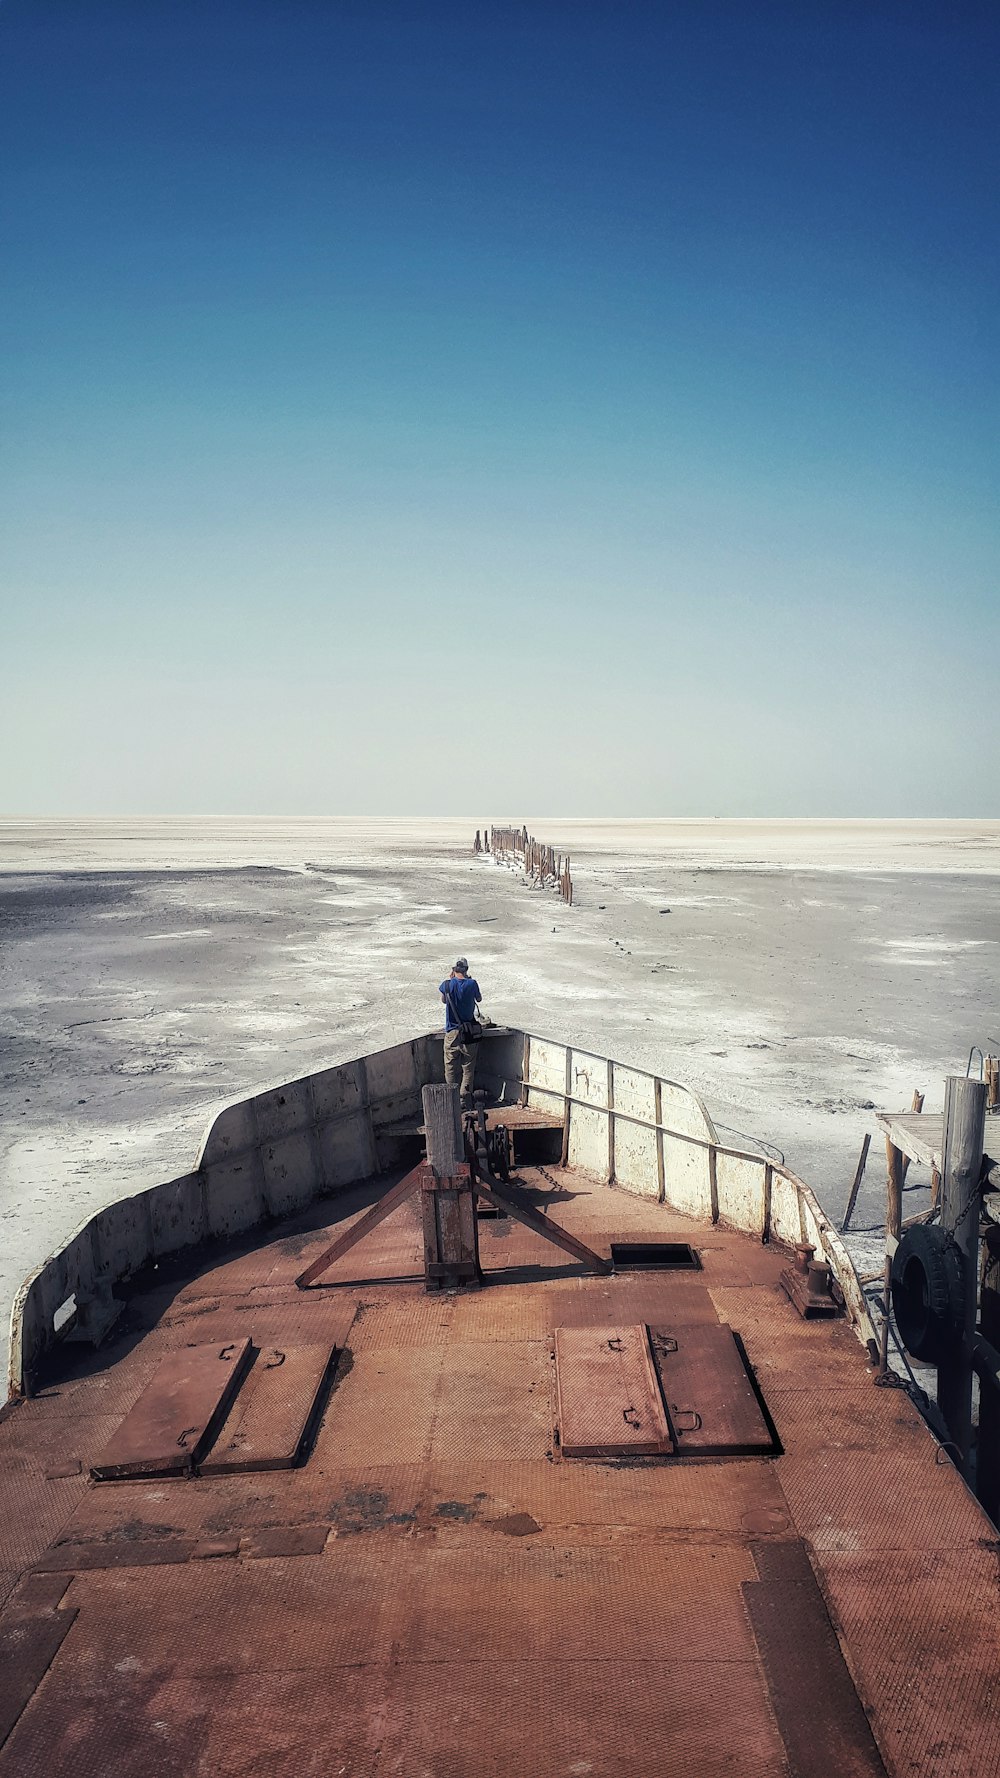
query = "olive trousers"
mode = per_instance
[{"x": 460, "y": 1063}]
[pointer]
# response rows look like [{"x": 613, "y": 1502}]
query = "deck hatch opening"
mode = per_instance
[{"x": 654, "y": 1256}]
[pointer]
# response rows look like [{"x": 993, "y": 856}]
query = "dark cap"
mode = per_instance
[{"x": 462, "y": 963}]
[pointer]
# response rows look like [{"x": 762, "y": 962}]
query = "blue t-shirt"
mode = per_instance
[{"x": 464, "y": 992}]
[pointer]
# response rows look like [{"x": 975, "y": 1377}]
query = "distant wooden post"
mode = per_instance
[
  {"x": 451, "y": 1236},
  {"x": 961, "y": 1165},
  {"x": 856, "y": 1187}
]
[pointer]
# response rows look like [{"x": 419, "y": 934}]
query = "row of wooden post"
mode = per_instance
[{"x": 542, "y": 863}]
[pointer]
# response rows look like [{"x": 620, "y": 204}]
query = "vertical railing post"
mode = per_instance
[{"x": 661, "y": 1168}]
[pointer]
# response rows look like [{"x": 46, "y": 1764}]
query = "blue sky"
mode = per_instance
[{"x": 582, "y": 407}]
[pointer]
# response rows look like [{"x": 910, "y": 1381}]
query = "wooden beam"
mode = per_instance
[
  {"x": 893, "y": 1190},
  {"x": 502, "y": 1199},
  {"x": 395, "y": 1196}
]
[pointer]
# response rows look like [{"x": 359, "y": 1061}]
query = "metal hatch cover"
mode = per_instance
[
  {"x": 714, "y": 1407},
  {"x": 609, "y": 1396},
  {"x": 271, "y": 1415},
  {"x": 177, "y": 1414}
]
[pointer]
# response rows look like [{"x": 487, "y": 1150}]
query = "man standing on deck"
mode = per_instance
[{"x": 461, "y": 996}]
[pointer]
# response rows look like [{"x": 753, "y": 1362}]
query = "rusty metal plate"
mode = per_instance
[
  {"x": 854, "y": 1417},
  {"x": 30, "y": 1638},
  {"x": 177, "y": 1413},
  {"x": 506, "y": 1245},
  {"x": 148, "y": 1552},
  {"x": 519, "y": 1312},
  {"x": 818, "y": 1711},
  {"x": 494, "y": 1402},
  {"x": 285, "y": 1540},
  {"x": 400, "y": 1319},
  {"x": 288, "y": 1317},
  {"x": 570, "y": 1501},
  {"x": 609, "y": 1397},
  {"x": 778, "y": 1340},
  {"x": 844, "y": 1501},
  {"x": 270, "y": 1417},
  {"x": 600, "y": 1718},
  {"x": 713, "y": 1407},
  {"x": 924, "y": 1641},
  {"x": 387, "y": 1249},
  {"x": 656, "y": 1298},
  {"x": 147, "y": 1719},
  {"x": 32, "y": 1509},
  {"x": 384, "y": 1410},
  {"x": 349, "y": 1605},
  {"x": 504, "y": 1598}
]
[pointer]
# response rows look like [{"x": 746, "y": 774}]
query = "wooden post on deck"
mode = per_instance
[
  {"x": 451, "y": 1237},
  {"x": 893, "y": 1191},
  {"x": 961, "y": 1164},
  {"x": 917, "y": 1105},
  {"x": 893, "y": 1225}
]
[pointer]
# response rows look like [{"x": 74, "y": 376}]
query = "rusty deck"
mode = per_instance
[{"x": 438, "y": 1589}]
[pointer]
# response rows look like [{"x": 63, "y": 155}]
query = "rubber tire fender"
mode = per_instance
[{"x": 928, "y": 1292}]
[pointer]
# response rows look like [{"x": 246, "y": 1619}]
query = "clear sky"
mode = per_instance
[{"x": 415, "y": 408}]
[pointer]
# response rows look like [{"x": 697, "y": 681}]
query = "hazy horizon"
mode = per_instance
[{"x": 145, "y": 843}]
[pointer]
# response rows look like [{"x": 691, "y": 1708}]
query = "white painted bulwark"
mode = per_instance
[
  {"x": 292, "y": 1169},
  {"x": 588, "y": 1140},
  {"x": 346, "y": 1151},
  {"x": 266, "y": 1157},
  {"x": 687, "y": 1178},
  {"x": 588, "y": 1078},
  {"x": 177, "y": 1217},
  {"x": 336, "y": 1092},
  {"x": 547, "y": 1070},
  {"x": 740, "y": 1184}
]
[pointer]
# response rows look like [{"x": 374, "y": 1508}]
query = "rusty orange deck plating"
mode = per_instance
[{"x": 439, "y": 1592}]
